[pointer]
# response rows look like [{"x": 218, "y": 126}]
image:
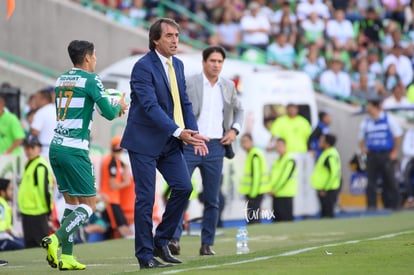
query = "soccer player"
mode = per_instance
[{"x": 77, "y": 92}]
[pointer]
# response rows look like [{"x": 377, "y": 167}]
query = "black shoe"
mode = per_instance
[
  {"x": 3, "y": 262},
  {"x": 174, "y": 246},
  {"x": 206, "y": 250},
  {"x": 153, "y": 263},
  {"x": 165, "y": 254}
]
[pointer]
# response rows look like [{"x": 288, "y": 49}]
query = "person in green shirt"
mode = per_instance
[
  {"x": 11, "y": 131},
  {"x": 293, "y": 128},
  {"x": 326, "y": 176},
  {"x": 254, "y": 182},
  {"x": 284, "y": 183},
  {"x": 78, "y": 92}
]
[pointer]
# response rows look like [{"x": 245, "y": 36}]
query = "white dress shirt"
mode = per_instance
[
  {"x": 336, "y": 84},
  {"x": 210, "y": 121}
]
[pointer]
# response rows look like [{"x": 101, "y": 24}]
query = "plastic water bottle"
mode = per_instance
[{"x": 242, "y": 240}]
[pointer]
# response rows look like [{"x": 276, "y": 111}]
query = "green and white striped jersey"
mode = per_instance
[{"x": 76, "y": 94}]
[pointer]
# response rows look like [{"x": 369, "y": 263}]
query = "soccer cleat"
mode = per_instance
[
  {"x": 68, "y": 262},
  {"x": 51, "y": 244}
]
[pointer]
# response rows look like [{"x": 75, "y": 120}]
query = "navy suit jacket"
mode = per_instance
[{"x": 150, "y": 121}]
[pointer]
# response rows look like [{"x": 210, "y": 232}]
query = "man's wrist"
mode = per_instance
[
  {"x": 235, "y": 130},
  {"x": 177, "y": 132}
]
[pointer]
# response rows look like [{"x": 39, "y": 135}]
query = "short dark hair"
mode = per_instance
[
  {"x": 213, "y": 49},
  {"x": 330, "y": 139},
  {"x": 247, "y": 135},
  {"x": 322, "y": 114},
  {"x": 4, "y": 183},
  {"x": 281, "y": 140},
  {"x": 155, "y": 31},
  {"x": 46, "y": 94},
  {"x": 78, "y": 49}
]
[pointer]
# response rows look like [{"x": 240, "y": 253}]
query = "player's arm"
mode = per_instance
[{"x": 107, "y": 110}]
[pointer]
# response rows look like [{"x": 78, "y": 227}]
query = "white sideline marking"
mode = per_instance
[{"x": 289, "y": 253}]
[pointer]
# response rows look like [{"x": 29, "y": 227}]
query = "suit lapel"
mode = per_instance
[{"x": 160, "y": 68}]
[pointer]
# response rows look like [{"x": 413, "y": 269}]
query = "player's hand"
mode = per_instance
[{"x": 124, "y": 106}]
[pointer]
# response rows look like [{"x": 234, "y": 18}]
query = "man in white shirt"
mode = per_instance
[
  {"x": 335, "y": 82},
  {"x": 219, "y": 115},
  {"x": 402, "y": 62},
  {"x": 44, "y": 120},
  {"x": 340, "y": 32},
  {"x": 397, "y": 99},
  {"x": 304, "y": 9},
  {"x": 255, "y": 27}
]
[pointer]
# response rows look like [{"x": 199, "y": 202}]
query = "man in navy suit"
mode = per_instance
[{"x": 154, "y": 140}]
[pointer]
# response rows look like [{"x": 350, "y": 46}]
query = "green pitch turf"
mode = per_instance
[{"x": 358, "y": 245}]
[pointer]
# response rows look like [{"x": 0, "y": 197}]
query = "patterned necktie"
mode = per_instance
[{"x": 178, "y": 113}]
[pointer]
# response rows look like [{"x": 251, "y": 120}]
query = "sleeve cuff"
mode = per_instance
[{"x": 177, "y": 132}]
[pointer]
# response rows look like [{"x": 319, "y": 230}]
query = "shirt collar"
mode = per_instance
[
  {"x": 207, "y": 82},
  {"x": 162, "y": 58}
]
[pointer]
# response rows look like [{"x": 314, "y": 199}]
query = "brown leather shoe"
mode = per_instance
[{"x": 206, "y": 250}]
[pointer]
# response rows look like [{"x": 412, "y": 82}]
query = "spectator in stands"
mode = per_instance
[
  {"x": 113, "y": 6},
  {"x": 374, "y": 63},
  {"x": 391, "y": 78},
  {"x": 44, "y": 120},
  {"x": 11, "y": 131},
  {"x": 276, "y": 17},
  {"x": 264, "y": 8},
  {"x": 313, "y": 29},
  {"x": 255, "y": 27},
  {"x": 335, "y": 82},
  {"x": 228, "y": 33},
  {"x": 281, "y": 53},
  {"x": 362, "y": 91},
  {"x": 394, "y": 9},
  {"x": 397, "y": 98},
  {"x": 361, "y": 68},
  {"x": 124, "y": 17},
  {"x": 138, "y": 10},
  {"x": 397, "y": 38},
  {"x": 371, "y": 26},
  {"x": 314, "y": 63},
  {"x": 293, "y": 128},
  {"x": 340, "y": 32},
  {"x": 115, "y": 175},
  {"x": 363, "y": 5},
  {"x": 8, "y": 241},
  {"x": 305, "y": 8}
]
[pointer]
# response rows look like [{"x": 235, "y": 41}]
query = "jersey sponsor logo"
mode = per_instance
[{"x": 71, "y": 81}]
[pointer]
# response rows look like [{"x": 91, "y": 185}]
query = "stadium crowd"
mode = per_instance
[{"x": 352, "y": 50}]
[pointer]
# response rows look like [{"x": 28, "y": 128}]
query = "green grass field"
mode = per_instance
[{"x": 363, "y": 245}]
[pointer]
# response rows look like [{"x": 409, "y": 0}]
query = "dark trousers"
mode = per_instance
[
  {"x": 34, "y": 229},
  {"x": 283, "y": 209},
  {"x": 253, "y": 209},
  {"x": 379, "y": 165},
  {"x": 173, "y": 168},
  {"x": 211, "y": 168},
  {"x": 408, "y": 177},
  {"x": 327, "y": 203}
]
